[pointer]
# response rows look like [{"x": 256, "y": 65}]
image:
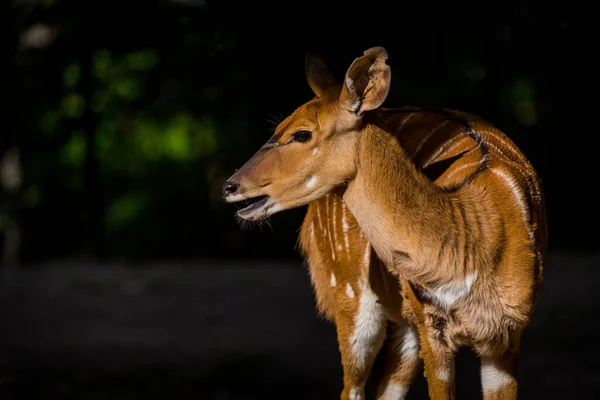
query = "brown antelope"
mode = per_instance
[{"x": 452, "y": 209}]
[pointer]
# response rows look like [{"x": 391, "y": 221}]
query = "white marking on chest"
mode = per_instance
[
  {"x": 394, "y": 391},
  {"x": 349, "y": 291},
  {"x": 311, "y": 182},
  {"x": 333, "y": 280},
  {"x": 356, "y": 393},
  {"x": 367, "y": 324},
  {"x": 493, "y": 378},
  {"x": 449, "y": 293}
]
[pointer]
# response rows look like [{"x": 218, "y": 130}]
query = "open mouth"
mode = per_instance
[{"x": 251, "y": 204}]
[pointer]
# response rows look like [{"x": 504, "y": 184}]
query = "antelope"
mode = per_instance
[{"x": 427, "y": 227}]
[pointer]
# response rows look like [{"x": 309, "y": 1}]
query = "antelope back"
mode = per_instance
[{"x": 439, "y": 143}]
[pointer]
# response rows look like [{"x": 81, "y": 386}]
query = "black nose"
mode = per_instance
[{"x": 230, "y": 188}]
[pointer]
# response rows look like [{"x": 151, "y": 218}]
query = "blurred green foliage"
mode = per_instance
[
  {"x": 130, "y": 120},
  {"x": 121, "y": 138}
]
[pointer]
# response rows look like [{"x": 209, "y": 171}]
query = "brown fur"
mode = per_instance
[{"x": 440, "y": 196}]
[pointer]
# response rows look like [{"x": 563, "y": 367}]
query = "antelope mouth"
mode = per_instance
[{"x": 251, "y": 204}]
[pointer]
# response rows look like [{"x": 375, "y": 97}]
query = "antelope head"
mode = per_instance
[{"x": 315, "y": 148}]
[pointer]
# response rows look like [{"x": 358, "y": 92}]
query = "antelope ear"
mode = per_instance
[
  {"x": 319, "y": 77},
  {"x": 367, "y": 81}
]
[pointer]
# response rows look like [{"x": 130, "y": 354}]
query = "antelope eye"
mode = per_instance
[{"x": 302, "y": 136}]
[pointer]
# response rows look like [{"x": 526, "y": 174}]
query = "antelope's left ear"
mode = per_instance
[
  {"x": 319, "y": 77},
  {"x": 367, "y": 81}
]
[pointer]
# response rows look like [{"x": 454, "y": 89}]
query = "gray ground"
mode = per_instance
[{"x": 242, "y": 331}]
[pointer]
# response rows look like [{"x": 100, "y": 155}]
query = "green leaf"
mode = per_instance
[
  {"x": 49, "y": 121},
  {"x": 126, "y": 88},
  {"x": 32, "y": 196},
  {"x": 102, "y": 63},
  {"x": 126, "y": 210},
  {"x": 73, "y": 105},
  {"x": 72, "y": 75},
  {"x": 99, "y": 101},
  {"x": 73, "y": 151},
  {"x": 142, "y": 60},
  {"x": 523, "y": 89}
]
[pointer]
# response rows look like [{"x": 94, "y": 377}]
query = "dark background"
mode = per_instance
[{"x": 123, "y": 119}]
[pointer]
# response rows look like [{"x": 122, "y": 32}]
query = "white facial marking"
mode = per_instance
[
  {"x": 266, "y": 210},
  {"x": 493, "y": 378},
  {"x": 234, "y": 198},
  {"x": 315, "y": 151},
  {"x": 311, "y": 182},
  {"x": 367, "y": 325},
  {"x": 393, "y": 391},
  {"x": 333, "y": 281},
  {"x": 447, "y": 294},
  {"x": 349, "y": 291},
  {"x": 270, "y": 145}
]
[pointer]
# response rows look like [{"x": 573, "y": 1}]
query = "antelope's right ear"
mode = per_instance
[
  {"x": 367, "y": 81},
  {"x": 319, "y": 77}
]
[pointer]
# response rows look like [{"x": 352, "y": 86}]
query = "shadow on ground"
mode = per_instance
[{"x": 217, "y": 331}]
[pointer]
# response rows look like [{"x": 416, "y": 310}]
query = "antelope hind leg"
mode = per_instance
[
  {"x": 401, "y": 361},
  {"x": 499, "y": 374}
]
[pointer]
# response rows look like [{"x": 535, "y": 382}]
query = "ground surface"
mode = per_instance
[{"x": 222, "y": 331}]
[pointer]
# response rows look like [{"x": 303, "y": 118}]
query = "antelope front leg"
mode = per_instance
[
  {"x": 360, "y": 328},
  {"x": 401, "y": 362},
  {"x": 499, "y": 375},
  {"x": 438, "y": 360}
]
